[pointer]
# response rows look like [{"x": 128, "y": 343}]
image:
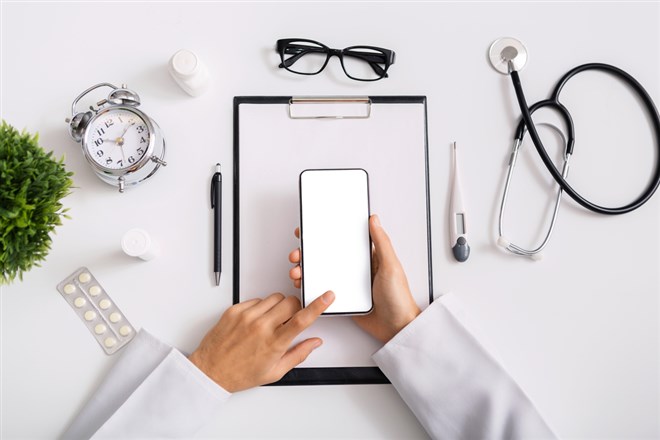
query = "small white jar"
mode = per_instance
[
  {"x": 189, "y": 72},
  {"x": 138, "y": 243}
]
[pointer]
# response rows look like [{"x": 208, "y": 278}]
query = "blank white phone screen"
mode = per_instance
[{"x": 335, "y": 243}]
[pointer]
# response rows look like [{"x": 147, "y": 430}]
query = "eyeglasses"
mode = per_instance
[{"x": 308, "y": 57}]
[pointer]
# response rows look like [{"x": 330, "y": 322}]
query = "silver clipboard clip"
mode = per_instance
[{"x": 353, "y": 107}]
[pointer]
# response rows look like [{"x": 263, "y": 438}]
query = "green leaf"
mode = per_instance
[{"x": 32, "y": 184}]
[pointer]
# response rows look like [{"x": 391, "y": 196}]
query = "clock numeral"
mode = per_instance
[
  {"x": 108, "y": 161},
  {"x": 140, "y": 151},
  {"x": 98, "y": 142},
  {"x": 131, "y": 159},
  {"x": 100, "y": 131},
  {"x": 120, "y": 119},
  {"x": 109, "y": 123},
  {"x": 99, "y": 153},
  {"x": 120, "y": 163},
  {"x": 143, "y": 140},
  {"x": 140, "y": 129}
]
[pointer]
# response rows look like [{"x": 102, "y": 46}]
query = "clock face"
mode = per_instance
[{"x": 117, "y": 139}]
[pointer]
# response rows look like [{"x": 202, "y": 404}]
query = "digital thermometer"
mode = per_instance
[{"x": 457, "y": 220}]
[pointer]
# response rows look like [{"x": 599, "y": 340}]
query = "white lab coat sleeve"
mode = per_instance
[
  {"x": 153, "y": 391},
  {"x": 452, "y": 384}
]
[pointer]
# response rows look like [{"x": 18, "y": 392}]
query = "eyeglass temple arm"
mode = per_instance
[{"x": 299, "y": 52}]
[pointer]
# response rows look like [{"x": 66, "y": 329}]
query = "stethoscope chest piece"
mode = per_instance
[{"x": 507, "y": 54}]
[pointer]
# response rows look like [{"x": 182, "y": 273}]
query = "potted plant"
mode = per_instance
[{"x": 32, "y": 183}]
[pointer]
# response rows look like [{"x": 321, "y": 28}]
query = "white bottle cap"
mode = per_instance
[
  {"x": 189, "y": 72},
  {"x": 137, "y": 243},
  {"x": 184, "y": 64}
]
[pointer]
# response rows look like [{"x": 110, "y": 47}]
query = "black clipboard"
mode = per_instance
[{"x": 323, "y": 375}]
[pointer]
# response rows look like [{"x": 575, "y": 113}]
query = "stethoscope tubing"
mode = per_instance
[
  {"x": 553, "y": 102},
  {"x": 511, "y": 247}
]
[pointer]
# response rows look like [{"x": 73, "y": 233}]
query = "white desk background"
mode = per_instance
[{"x": 578, "y": 330}]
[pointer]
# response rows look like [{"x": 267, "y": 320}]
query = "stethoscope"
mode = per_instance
[{"x": 509, "y": 56}]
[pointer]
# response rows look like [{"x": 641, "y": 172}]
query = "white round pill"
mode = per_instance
[
  {"x": 90, "y": 315},
  {"x": 69, "y": 289},
  {"x": 84, "y": 277},
  {"x": 125, "y": 330},
  {"x": 79, "y": 302},
  {"x": 105, "y": 304},
  {"x": 115, "y": 317},
  {"x": 94, "y": 290},
  {"x": 110, "y": 342},
  {"x": 100, "y": 329}
]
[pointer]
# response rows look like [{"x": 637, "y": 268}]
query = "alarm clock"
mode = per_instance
[{"x": 122, "y": 144}]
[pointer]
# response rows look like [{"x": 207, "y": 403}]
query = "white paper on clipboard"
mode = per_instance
[{"x": 274, "y": 148}]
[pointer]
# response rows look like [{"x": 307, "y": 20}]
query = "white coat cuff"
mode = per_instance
[
  {"x": 151, "y": 391},
  {"x": 452, "y": 384},
  {"x": 175, "y": 400}
]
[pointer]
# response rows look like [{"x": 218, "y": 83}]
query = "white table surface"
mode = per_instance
[{"x": 578, "y": 330}]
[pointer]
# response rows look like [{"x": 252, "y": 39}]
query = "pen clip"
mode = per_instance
[{"x": 214, "y": 185}]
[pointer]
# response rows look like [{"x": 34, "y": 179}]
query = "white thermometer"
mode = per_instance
[{"x": 457, "y": 222}]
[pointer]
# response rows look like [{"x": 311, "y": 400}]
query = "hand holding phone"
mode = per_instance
[{"x": 394, "y": 306}]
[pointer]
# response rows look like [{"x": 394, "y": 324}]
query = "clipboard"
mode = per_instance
[{"x": 276, "y": 137}]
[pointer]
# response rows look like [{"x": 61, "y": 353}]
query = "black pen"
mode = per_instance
[{"x": 216, "y": 205}]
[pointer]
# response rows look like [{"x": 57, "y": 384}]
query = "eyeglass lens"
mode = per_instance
[
  {"x": 364, "y": 63},
  {"x": 304, "y": 57}
]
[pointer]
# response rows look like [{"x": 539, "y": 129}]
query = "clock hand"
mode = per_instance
[
  {"x": 129, "y": 126},
  {"x": 120, "y": 141}
]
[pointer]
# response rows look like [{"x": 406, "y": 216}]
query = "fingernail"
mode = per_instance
[
  {"x": 376, "y": 220},
  {"x": 317, "y": 344},
  {"x": 328, "y": 297}
]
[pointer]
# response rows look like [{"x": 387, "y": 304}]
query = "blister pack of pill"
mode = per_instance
[{"x": 97, "y": 310}]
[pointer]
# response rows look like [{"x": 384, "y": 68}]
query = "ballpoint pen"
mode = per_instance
[{"x": 216, "y": 205}]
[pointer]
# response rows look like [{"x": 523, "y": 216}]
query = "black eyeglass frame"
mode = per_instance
[{"x": 389, "y": 57}]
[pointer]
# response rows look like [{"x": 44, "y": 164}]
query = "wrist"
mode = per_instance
[
  {"x": 414, "y": 313},
  {"x": 198, "y": 360}
]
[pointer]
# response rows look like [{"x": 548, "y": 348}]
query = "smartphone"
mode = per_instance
[{"x": 335, "y": 244}]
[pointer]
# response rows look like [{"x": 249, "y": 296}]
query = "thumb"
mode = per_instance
[{"x": 384, "y": 249}]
